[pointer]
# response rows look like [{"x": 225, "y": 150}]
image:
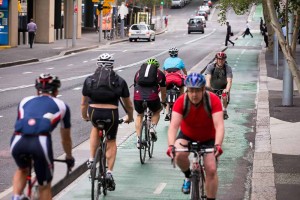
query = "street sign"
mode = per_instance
[
  {"x": 111, "y": 1},
  {"x": 106, "y": 8},
  {"x": 95, "y": 1}
]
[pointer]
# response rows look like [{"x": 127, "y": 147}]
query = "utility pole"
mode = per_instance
[
  {"x": 287, "y": 89},
  {"x": 100, "y": 20}
]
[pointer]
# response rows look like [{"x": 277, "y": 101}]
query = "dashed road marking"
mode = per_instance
[{"x": 160, "y": 188}]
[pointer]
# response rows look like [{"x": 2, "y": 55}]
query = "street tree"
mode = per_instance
[{"x": 273, "y": 11}]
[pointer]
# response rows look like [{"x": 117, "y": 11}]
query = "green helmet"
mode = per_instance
[{"x": 153, "y": 61}]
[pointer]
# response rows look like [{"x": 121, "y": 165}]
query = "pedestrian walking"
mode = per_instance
[
  {"x": 228, "y": 34},
  {"x": 166, "y": 21},
  {"x": 96, "y": 23},
  {"x": 261, "y": 24},
  {"x": 31, "y": 28},
  {"x": 247, "y": 31},
  {"x": 265, "y": 34}
]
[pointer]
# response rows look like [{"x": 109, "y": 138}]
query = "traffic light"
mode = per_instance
[
  {"x": 100, "y": 7},
  {"x": 161, "y": 2}
]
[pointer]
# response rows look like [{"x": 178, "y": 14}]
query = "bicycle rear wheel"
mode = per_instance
[
  {"x": 103, "y": 170},
  {"x": 95, "y": 176},
  {"x": 150, "y": 144},
  {"x": 143, "y": 143},
  {"x": 195, "y": 193}
]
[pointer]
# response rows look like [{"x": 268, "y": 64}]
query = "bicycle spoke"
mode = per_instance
[
  {"x": 95, "y": 176},
  {"x": 143, "y": 146}
]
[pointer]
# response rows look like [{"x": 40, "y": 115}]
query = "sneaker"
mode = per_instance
[
  {"x": 89, "y": 164},
  {"x": 186, "y": 186},
  {"x": 138, "y": 143},
  {"x": 111, "y": 186},
  {"x": 225, "y": 116},
  {"x": 167, "y": 118},
  {"x": 153, "y": 136}
]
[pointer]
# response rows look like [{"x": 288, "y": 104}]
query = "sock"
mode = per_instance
[
  {"x": 211, "y": 198},
  {"x": 109, "y": 172},
  {"x": 15, "y": 197},
  {"x": 187, "y": 174},
  {"x": 91, "y": 159}
]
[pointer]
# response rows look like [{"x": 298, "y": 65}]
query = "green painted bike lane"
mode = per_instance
[{"x": 157, "y": 179}]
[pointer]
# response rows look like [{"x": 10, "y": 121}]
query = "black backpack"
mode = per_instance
[
  {"x": 206, "y": 102},
  {"x": 102, "y": 85},
  {"x": 147, "y": 75},
  {"x": 225, "y": 66}
]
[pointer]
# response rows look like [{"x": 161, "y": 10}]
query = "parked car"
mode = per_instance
[
  {"x": 202, "y": 13},
  {"x": 141, "y": 31},
  {"x": 205, "y": 8},
  {"x": 195, "y": 24},
  {"x": 177, "y": 3},
  {"x": 203, "y": 20}
]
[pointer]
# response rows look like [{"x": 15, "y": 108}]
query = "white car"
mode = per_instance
[
  {"x": 205, "y": 8},
  {"x": 203, "y": 20},
  {"x": 177, "y": 3},
  {"x": 141, "y": 31}
]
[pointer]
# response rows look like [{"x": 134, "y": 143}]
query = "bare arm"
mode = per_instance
[
  {"x": 66, "y": 141},
  {"x": 208, "y": 78},
  {"x": 184, "y": 71},
  {"x": 173, "y": 128},
  {"x": 219, "y": 126},
  {"x": 84, "y": 107},
  {"x": 129, "y": 108},
  {"x": 228, "y": 86}
]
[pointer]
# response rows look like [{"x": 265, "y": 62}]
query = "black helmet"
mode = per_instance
[
  {"x": 47, "y": 83},
  {"x": 105, "y": 60},
  {"x": 173, "y": 52}
]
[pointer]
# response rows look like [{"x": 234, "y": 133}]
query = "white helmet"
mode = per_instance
[
  {"x": 173, "y": 52},
  {"x": 105, "y": 60}
]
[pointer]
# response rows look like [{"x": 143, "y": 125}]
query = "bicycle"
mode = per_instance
[
  {"x": 198, "y": 173},
  {"x": 146, "y": 139},
  {"x": 172, "y": 95},
  {"x": 32, "y": 186},
  {"x": 223, "y": 97},
  {"x": 98, "y": 170}
]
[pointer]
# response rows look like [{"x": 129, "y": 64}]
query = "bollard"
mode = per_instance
[
  {"x": 58, "y": 35},
  {"x": 62, "y": 33},
  {"x": 26, "y": 38}
]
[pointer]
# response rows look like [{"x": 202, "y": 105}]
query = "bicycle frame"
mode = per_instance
[{"x": 172, "y": 95}]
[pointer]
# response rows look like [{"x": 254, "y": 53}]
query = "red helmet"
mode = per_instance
[{"x": 221, "y": 55}]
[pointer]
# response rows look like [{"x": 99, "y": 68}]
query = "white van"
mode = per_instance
[{"x": 177, "y": 3}]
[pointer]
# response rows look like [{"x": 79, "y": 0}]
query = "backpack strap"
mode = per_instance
[{"x": 186, "y": 106}]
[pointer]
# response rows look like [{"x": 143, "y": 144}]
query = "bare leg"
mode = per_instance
[
  {"x": 94, "y": 141},
  {"x": 111, "y": 152},
  {"x": 19, "y": 181},
  {"x": 45, "y": 192},
  {"x": 211, "y": 175}
]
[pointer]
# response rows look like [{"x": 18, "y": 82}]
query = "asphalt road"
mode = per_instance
[{"x": 17, "y": 82}]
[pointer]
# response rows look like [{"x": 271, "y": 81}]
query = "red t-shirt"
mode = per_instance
[{"x": 197, "y": 125}]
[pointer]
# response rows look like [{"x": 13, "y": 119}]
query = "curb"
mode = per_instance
[{"x": 19, "y": 62}]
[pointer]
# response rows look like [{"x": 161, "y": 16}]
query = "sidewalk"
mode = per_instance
[{"x": 23, "y": 54}]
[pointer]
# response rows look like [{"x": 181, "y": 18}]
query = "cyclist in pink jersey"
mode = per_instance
[{"x": 201, "y": 121}]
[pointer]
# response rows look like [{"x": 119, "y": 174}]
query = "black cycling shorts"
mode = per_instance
[
  {"x": 111, "y": 128},
  {"x": 208, "y": 143},
  {"x": 153, "y": 105},
  {"x": 39, "y": 148}
]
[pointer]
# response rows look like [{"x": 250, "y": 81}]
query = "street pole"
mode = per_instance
[
  {"x": 100, "y": 24},
  {"x": 275, "y": 52},
  {"x": 287, "y": 96},
  {"x": 161, "y": 16},
  {"x": 74, "y": 24},
  {"x": 66, "y": 22}
]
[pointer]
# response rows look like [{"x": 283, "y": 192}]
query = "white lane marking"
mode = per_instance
[
  {"x": 243, "y": 51},
  {"x": 78, "y": 88},
  {"x": 69, "y": 65},
  {"x": 93, "y": 59},
  {"x": 26, "y": 72},
  {"x": 1, "y": 116},
  {"x": 85, "y": 61},
  {"x": 50, "y": 68},
  {"x": 124, "y": 51},
  {"x": 189, "y": 42},
  {"x": 160, "y": 188}
]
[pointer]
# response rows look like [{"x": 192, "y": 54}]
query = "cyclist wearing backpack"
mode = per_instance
[
  {"x": 37, "y": 117},
  {"x": 148, "y": 81},
  {"x": 175, "y": 72},
  {"x": 219, "y": 77},
  {"x": 198, "y": 114},
  {"x": 101, "y": 95}
]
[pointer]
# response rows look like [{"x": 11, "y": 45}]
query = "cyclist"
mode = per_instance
[
  {"x": 175, "y": 72},
  {"x": 37, "y": 117},
  {"x": 197, "y": 125},
  {"x": 100, "y": 101},
  {"x": 149, "y": 93},
  {"x": 219, "y": 77}
]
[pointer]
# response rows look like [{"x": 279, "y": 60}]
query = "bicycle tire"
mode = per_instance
[
  {"x": 202, "y": 185},
  {"x": 143, "y": 145},
  {"x": 150, "y": 144},
  {"x": 103, "y": 170},
  {"x": 95, "y": 175},
  {"x": 195, "y": 193}
]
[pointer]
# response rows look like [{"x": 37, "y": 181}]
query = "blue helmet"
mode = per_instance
[{"x": 195, "y": 80}]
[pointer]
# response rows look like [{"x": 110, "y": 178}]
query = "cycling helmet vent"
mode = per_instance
[
  {"x": 105, "y": 60},
  {"x": 173, "y": 51},
  {"x": 47, "y": 83},
  {"x": 195, "y": 80},
  {"x": 221, "y": 55},
  {"x": 153, "y": 61}
]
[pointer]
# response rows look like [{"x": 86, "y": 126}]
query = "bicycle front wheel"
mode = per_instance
[
  {"x": 143, "y": 142},
  {"x": 95, "y": 175},
  {"x": 195, "y": 193}
]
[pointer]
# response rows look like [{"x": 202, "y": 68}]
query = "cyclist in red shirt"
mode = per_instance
[{"x": 197, "y": 125}]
